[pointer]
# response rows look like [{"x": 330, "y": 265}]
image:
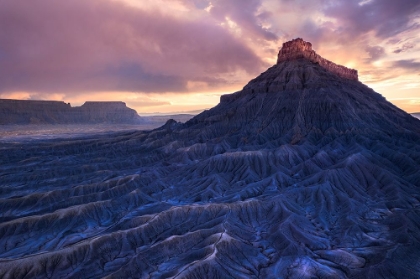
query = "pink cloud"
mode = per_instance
[
  {"x": 79, "y": 46},
  {"x": 52, "y": 48}
]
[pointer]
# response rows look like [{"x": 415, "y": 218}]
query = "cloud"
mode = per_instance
[
  {"x": 409, "y": 64},
  {"x": 145, "y": 103},
  {"x": 375, "y": 53},
  {"x": 91, "y": 49},
  {"x": 405, "y": 47},
  {"x": 385, "y": 18},
  {"x": 81, "y": 46},
  {"x": 245, "y": 13},
  {"x": 411, "y": 105}
]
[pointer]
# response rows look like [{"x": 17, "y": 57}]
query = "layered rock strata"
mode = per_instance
[
  {"x": 57, "y": 112},
  {"x": 298, "y": 48},
  {"x": 302, "y": 174}
]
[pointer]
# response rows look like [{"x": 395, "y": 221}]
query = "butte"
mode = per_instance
[{"x": 304, "y": 173}]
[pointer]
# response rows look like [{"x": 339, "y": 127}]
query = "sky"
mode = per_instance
[{"x": 172, "y": 56}]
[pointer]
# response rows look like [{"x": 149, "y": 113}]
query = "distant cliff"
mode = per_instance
[{"x": 57, "y": 112}]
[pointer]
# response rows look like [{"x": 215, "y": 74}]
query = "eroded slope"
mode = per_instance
[{"x": 302, "y": 174}]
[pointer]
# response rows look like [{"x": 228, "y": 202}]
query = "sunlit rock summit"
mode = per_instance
[
  {"x": 304, "y": 173},
  {"x": 298, "y": 48}
]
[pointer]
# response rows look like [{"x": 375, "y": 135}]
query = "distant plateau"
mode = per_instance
[{"x": 58, "y": 112}]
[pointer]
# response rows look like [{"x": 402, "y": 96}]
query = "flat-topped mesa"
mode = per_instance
[
  {"x": 58, "y": 112},
  {"x": 104, "y": 104},
  {"x": 298, "y": 48}
]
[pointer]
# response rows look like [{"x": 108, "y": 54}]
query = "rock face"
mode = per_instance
[
  {"x": 298, "y": 48},
  {"x": 56, "y": 112},
  {"x": 302, "y": 174}
]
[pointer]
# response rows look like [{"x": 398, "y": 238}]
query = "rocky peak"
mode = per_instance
[
  {"x": 298, "y": 48},
  {"x": 304, "y": 97}
]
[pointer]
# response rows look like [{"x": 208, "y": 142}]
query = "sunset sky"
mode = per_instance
[{"x": 173, "y": 56}]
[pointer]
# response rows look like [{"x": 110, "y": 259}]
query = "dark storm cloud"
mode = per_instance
[
  {"x": 384, "y": 17},
  {"x": 66, "y": 46}
]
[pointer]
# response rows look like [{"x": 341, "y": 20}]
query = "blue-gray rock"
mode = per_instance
[
  {"x": 58, "y": 112},
  {"x": 302, "y": 174}
]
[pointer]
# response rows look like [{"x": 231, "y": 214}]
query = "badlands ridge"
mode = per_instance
[{"x": 305, "y": 173}]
